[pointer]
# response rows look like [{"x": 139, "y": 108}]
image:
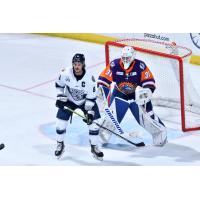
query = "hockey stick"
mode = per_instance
[
  {"x": 141, "y": 144},
  {"x": 2, "y": 146}
]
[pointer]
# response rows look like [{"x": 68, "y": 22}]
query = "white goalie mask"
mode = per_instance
[{"x": 127, "y": 56}]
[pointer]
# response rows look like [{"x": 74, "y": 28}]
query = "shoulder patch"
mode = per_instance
[
  {"x": 142, "y": 65},
  {"x": 112, "y": 64},
  {"x": 93, "y": 79}
]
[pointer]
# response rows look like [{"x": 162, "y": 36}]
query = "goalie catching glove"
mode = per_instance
[{"x": 142, "y": 95}]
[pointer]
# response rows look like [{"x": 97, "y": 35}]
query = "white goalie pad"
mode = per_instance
[
  {"x": 101, "y": 99},
  {"x": 105, "y": 135},
  {"x": 154, "y": 127}
]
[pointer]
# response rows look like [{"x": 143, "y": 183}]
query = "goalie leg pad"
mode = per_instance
[
  {"x": 151, "y": 122},
  {"x": 105, "y": 135}
]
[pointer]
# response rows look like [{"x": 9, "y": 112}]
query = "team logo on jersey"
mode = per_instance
[
  {"x": 127, "y": 87},
  {"x": 112, "y": 64},
  {"x": 120, "y": 73},
  {"x": 76, "y": 94}
]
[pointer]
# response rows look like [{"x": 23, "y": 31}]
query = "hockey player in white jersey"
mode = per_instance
[{"x": 76, "y": 89}]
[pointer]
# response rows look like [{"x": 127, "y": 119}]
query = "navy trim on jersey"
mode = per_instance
[{"x": 105, "y": 80}]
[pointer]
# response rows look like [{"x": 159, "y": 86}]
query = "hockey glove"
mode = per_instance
[
  {"x": 61, "y": 101},
  {"x": 142, "y": 95},
  {"x": 89, "y": 117}
]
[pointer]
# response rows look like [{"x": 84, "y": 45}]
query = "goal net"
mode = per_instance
[{"x": 175, "y": 88}]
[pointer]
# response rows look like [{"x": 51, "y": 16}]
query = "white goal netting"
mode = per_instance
[{"x": 176, "y": 87}]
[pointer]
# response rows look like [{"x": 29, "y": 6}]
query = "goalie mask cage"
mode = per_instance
[{"x": 170, "y": 67}]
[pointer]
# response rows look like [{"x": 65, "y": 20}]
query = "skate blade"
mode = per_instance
[{"x": 60, "y": 156}]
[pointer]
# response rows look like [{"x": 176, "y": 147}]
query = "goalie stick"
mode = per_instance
[{"x": 141, "y": 144}]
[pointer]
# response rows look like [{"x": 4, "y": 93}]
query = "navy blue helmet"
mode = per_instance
[{"x": 79, "y": 58}]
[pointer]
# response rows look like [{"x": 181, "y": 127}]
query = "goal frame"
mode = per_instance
[{"x": 157, "y": 53}]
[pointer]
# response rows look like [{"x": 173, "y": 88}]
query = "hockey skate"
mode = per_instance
[
  {"x": 96, "y": 152},
  {"x": 60, "y": 149}
]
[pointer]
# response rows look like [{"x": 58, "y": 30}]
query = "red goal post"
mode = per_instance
[{"x": 166, "y": 56}]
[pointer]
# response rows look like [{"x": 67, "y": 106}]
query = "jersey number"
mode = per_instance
[
  {"x": 147, "y": 75},
  {"x": 108, "y": 73}
]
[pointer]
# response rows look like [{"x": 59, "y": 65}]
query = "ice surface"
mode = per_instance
[{"x": 28, "y": 65}]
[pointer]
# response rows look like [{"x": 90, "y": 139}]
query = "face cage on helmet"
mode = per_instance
[{"x": 127, "y": 59}]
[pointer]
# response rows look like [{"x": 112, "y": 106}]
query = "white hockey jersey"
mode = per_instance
[{"x": 76, "y": 91}]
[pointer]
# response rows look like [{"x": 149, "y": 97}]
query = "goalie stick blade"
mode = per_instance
[{"x": 2, "y": 146}]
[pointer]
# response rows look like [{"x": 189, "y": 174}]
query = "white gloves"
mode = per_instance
[{"x": 142, "y": 95}]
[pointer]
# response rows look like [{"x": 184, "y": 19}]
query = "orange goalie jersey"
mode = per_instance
[{"x": 126, "y": 81}]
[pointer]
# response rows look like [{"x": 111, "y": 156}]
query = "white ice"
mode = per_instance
[{"x": 28, "y": 65}]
